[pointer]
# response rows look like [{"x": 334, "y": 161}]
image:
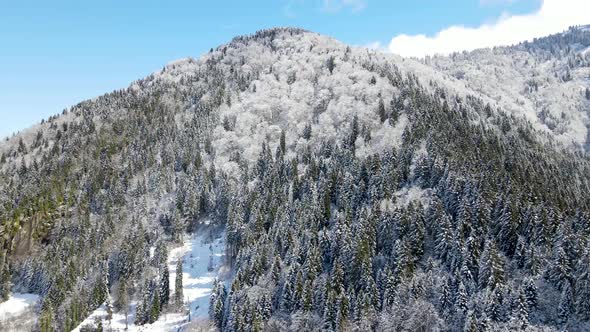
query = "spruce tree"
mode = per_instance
[
  {"x": 564, "y": 310},
  {"x": 582, "y": 303},
  {"x": 178, "y": 294},
  {"x": 46, "y": 318},
  {"x": 155, "y": 307},
  {"x": 531, "y": 294},
  {"x": 164, "y": 285}
]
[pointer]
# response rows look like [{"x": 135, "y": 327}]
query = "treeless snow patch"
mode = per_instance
[{"x": 17, "y": 303}]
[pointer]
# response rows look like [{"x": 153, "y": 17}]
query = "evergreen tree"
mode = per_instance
[
  {"x": 122, "y": 302},
  {"x": 462, "y": 298},
  {"x": 381, "y": 110},
  {"x": 565, "y": 307},
  {"x": 531, "y": 294},
  {"x": 520, "y": 314},
  {"x": 109, "y": 310},
  {"x": 471, "y": 323},
  {"x": 491, "y": 267},
  {"x": 178, "y": 293},
  {"x": 582, "y": 303},
  {"x": 155, "y": 307},
  {"x": 46, "y": 318},
  {"x": 560, "y": 271},
  {"x": 164, "y": 286}
]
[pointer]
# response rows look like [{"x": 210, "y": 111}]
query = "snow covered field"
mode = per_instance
[
  {"x": 16, "y": 304},
  {"x": 197, "y": 283},
  {"x": 17, "y": 313}
]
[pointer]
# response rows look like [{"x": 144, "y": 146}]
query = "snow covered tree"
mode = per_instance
[
  {"x": 491, "y": 267},
  {"x": 164, "y": 285},
  {"x": 155, "y": 307},
  {"x": 559, "y": 270},
  {"x": 520, "y": 314},
  {"x": 46, "y": 318},
  {"x": 178, "y": 287},
  {"x": 531, "y": 294},
  {"x": 582, "y": 303},
  {"x": 565, "y": 308}
]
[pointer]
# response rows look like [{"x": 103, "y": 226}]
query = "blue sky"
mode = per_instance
[{"x": 54, "y": 54}]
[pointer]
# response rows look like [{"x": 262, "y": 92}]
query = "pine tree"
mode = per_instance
[
  {"x": 560, "y": 271},
  {"x": 307, "y": 298},
  {"x": 155, "y": 308},
  {"x": 444, "y": 238},
  {"x": 331, "y": 64},
  {"x": 282, "y": 143},
  {"x": 394, "y": 108},
  {"x": 520, "y": 314},
  {"x": 565, "y": 307},
  {"x": 445, "y": 299},
  {"x": 471, "y": 323},
  {"x": 462, "y": 298},
  {"x": 265, "y": 307},
  {"x": 582, "y": 303},
  {"x": 164, "y": 286},
  {"x": 46, "y": 318},
  {"x": 491, "y": 267},
  {"x": 109, "y": 310},
  {"x": 143, "y": 310},
  {"x": 330, "y": 312},
  {"x": 531, "y": 294},
  {"x": 287, "y": 296},
  {"x": 495, "y": 305},
  {"x": 307, "y": 132},
  {"x": 381, "y": 110},
  {"x": 212, "y": 299},
  {"x": 219, "y": 309},
  {"x": 343, "y": 313},
  {"x": 276, "y": 269},
  {"x": 178, "y": 294}
]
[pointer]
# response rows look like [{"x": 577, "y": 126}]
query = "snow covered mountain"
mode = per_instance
[
  {"x": 546, "y": 80},
  {"x": 353, "y": 189}
]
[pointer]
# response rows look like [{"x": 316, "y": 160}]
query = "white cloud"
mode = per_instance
[
  {"x": 375, "y": 45},
  {"x": 553, "y": 16},
  {"x": 337, "y": 5}
]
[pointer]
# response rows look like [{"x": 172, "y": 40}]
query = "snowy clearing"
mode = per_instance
[
  {"x": 197, "y": 283},
  {"x": 16, "y": 304},
  {"x": 196, "y": 279}
]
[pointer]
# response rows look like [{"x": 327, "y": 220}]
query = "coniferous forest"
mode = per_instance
[{"x": 354, "y": 191}]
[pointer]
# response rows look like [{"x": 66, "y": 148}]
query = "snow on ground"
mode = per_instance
[
  {"x": 16, "y": 304},
  {"x": 196, "y": 279},
  {"x": 197, "y": 283},
  {"x": 407, "y": 195},
  {"x": 166, "y": 322},
  {"x": 18, "y": 313}
]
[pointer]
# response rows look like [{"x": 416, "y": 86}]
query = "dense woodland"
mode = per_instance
[{"x": 474, "y": 219}]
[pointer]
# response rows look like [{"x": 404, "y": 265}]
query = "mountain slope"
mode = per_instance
[
  {"x": 356, "y": 190},
  {"x": 547, "y": 80}
]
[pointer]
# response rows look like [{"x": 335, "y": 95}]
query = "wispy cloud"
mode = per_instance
[
  {"x": 553, "y": 16},
  {"x": 376, "y": 45}
]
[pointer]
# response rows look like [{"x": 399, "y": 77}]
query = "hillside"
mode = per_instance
[
  {"x": 355, "y": 190},
  {"x": 547, "y": 80}
]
